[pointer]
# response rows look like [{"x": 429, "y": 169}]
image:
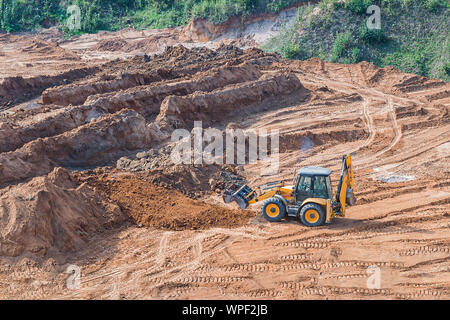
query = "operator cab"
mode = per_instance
[{"x": 313, "y": 182}]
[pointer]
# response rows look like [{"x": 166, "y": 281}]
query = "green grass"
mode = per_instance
[
  {"x": 414, "y": 35},
  {"x": 27, "y": 15},
  {"x": 341, "y": 44}
]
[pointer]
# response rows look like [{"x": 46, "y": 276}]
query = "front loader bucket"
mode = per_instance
[
  {"x": 239, "y": 196},
  {"x": 242, "y": 203}
]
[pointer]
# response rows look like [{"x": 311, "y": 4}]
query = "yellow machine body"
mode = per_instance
[{"x": 280, "y": 197}]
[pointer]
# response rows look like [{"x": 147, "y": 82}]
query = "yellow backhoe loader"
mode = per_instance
[{"x": 309, "y": 198}]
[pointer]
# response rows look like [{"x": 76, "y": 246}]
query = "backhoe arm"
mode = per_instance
[{"x": 346, "y": 188}]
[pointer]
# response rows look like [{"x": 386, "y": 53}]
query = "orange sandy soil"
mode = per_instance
[
  {"x": 154, "y": 206},
  {"x": 134, "y": 239}
]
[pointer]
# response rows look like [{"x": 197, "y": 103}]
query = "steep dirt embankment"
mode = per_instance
[
  {"x": 77, "y": 94},
  {"x": 17, "y": 89},
  {"x": 147, "y": 99},
  {"x": 182, "y": 111},
  {"x": 144, "y": 99},
  {"x": 94, "y": 143},
  {"x": 52, "y": 214}
]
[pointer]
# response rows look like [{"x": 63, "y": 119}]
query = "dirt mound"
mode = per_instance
[
  {"x": 17, "y": 89},
  {"x": 147, "y": 99},
  {"x": 181, "y": 56},
  {"x": 174, "y": 62},
  {"x": 77, "y": 94},
  {"x": 49, "y": 49},
  {"x": 94, "y": 143},
  {"x": 51, "y": 215},
  {"x": 153, "y": 43},
  {"x": 27, "y": 126},
  {"x": 193, "y": 181},
  {"x": 154, "y": 206},
  {"x": 110, "y": 45},
  {"x": 178, "y": 112}
]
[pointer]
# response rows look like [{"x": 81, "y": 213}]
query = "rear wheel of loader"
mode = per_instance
[
  {"x": 273, "y": 210},
  {"x": 312, "y": 215}
]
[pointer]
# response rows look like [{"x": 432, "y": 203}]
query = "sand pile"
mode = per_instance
[
  {"x": 51, "y": 214},
  {"x": 164, "y": 208}
]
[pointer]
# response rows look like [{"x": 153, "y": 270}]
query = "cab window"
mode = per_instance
[
  {"x": 329, "y": 187},
  {"x": 304, "y": 190},
  {"x": 320, "y": 187},
  {"x": 304, "y": 184}
]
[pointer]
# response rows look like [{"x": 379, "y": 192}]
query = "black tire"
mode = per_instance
[
  {"x": 273, "y": 210},
  {"x": 312, "y": 215}
]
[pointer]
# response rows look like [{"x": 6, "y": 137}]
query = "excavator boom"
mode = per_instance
[{"x": 346, "y": 188}]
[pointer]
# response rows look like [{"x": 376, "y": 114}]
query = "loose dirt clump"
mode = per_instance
[
  {"x": 163, "y": 208},
  {"x": 110, "y": 44},
  {"x": 193, "y": 181}
]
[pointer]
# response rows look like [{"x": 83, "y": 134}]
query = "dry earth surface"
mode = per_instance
[{"x": 86, "y": 176}]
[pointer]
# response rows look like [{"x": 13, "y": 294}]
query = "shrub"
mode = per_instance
[
  {"x": 435, "y": 5},
  {"x": 447, "y": 68},
  {"x": 355, "y": 55},
  {"x": 293, "y": 51},
  {"x": 372, "y": 35},
  {"x": 341, "y": 43},
  {"x": 358, "y": 6}
]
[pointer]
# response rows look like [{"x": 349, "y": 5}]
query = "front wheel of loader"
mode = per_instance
[
  {"x": 273, "y": 210},
  {"x": 312, "y": 215}
]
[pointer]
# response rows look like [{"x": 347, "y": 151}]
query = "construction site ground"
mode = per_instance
[{"x": 86, "y": 177}]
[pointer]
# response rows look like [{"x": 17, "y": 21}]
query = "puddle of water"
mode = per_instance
[
  {"x": 30, "y": 106},
  {"x": 306, "y": 145},
  {"x": 305, "y": 148},
  {"x": 395, "y": 178},
  {"x": 92, "y": 115},
  {"x": 444, "y": 148}
]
